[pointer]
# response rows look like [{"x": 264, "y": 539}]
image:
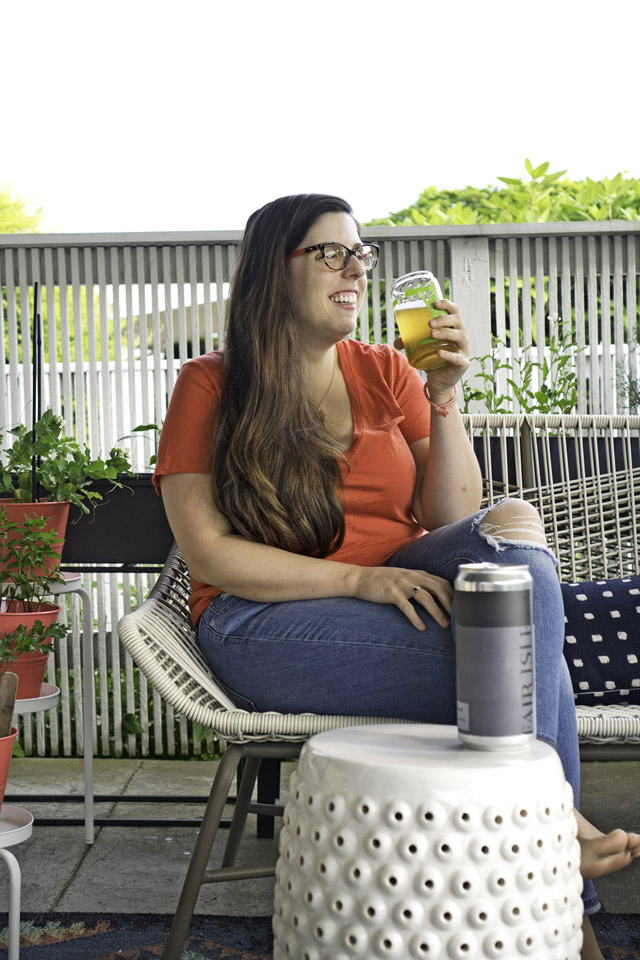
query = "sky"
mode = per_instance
[{"x": 138, "y": 116}]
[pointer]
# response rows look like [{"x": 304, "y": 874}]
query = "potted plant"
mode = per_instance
[
  {"x": 8, "y": 689},
  {"x": 25, "y": 651},
  {"x": 547, "y": 387},
  {"x": 28, "y": 624},
  {"x": 131, "y": 526},
  {"x": 44, "y": 471}
]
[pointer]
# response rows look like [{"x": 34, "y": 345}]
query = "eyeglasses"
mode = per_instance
[{"x": 337, "y": 256}]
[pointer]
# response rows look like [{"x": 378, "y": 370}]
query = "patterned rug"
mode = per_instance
[{"x": 94, "y": 936}]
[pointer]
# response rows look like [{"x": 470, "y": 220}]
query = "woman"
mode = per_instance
[{"x": 300, "y": 471}]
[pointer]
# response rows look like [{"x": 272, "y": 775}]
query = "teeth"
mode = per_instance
[{"x": 344, "y": 298}]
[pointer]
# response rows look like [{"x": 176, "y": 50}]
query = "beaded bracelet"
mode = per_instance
[{"x": 441, "y": 408}]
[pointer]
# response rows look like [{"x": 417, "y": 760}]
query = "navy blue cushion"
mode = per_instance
[{"x": 602, "y": 640}]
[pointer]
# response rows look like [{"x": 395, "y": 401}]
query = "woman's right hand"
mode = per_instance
[
  {"x": 265, "y": 574},
  {"x": 398, "y": 585}
]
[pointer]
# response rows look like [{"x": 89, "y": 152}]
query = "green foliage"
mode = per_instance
[
  {"x": 628, "y": 388},
  {"x": 543, "y": 197},
  {"x": 490, "y": 364},
  {"x": 64, "y": 469},
  {"x": 552, "y": 390},
  {"x": 18, "y": 215},
  {"x": 131, "y": 725},
  {"x": 25, "y": 546},
  {"x": 558, "y": 386},
  {"x": 76, "y": 311},
  {"x": 202, "y": 743},
  {"x": 37, "y": 639},
  {"x": 151, "y": 431}
]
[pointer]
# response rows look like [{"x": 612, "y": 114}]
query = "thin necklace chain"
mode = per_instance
[{"x": 333, "y": 373}]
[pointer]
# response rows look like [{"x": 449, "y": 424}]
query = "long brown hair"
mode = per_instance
[{"x": 276, "y": 468}]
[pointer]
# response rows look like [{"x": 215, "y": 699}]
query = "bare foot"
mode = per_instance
[
  {"x": 590, "y": 949},
  {"x": 585, "y": 827},
  {"x": 600, "y": 853},
  {"x": 607, "y": 853}
]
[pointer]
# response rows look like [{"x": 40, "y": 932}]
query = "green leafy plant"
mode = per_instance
[
  {"x": 490, "y": 363},
  {"x": 628, "y": 388},
  {"x": 25, "y": 547},
  {"x": 540, "y": 197},
  {"x": 131, "y": 725},
  {"x": 553, "y": 389},
  {"x": 35, "y": 639},
  {"x": 558, "y": 389},
  {"x": 150, "y": 431},
  {"x": 61, "y": 468}
]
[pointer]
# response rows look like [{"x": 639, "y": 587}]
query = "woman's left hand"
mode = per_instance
[{"x": 450, "y": 327}]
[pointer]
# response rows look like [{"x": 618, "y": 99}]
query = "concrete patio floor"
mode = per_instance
[{"x": 141, "y": 869}]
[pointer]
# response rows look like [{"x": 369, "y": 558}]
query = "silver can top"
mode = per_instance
[{"x": 488, "y": 577}]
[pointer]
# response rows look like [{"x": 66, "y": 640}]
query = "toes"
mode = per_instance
[
  {"x": 606, "y": 854},
  {"x": 612, "y": 843},
  {"x": 634, "y": 843}
]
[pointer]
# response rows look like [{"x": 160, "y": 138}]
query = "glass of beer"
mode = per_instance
[{"x": 413, "y": 297}]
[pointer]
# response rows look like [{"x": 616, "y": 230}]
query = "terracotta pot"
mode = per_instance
[
  {"x": 6, "y": 750},
  {"x": 15, "y": 612},
  {"x": 30, "y": 667},
  {"x": 56, "y": 514}
]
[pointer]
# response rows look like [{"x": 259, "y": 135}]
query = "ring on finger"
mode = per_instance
[{"x": 415, "y": 590}]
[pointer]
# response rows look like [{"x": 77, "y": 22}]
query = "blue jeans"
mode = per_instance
[{"x": 347, "y": 656}]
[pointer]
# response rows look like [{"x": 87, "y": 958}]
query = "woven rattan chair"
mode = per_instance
[
  {"x": 161, "y": 640},
  {"x": 582, "y": 473}
]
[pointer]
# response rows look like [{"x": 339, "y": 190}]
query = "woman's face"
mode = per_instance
[{"x": 326, "y": 302}]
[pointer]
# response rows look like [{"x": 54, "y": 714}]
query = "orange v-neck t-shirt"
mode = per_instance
[{"x": 389, "y": 413}]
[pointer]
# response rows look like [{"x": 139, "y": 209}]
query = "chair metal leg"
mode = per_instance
[
  {"x": 268, "y": 792},
  {"x": 197, "y": 874},
  {"x": 202, "y": 851},
  {"x": 245, "y": 792}
]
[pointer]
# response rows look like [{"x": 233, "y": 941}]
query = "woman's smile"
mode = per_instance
[{"x": 347, "y": 298}]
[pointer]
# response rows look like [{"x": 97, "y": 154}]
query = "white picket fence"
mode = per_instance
[{"x": 152, "y": 300}]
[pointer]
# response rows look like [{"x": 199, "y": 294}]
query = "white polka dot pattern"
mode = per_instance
[
  {"x": 602, "y": 640},
  {"x": 391, "y": 871}
]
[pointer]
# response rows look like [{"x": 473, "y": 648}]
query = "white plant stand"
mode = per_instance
[
  {"x": 15, "y": 826},
  {"x": 73, "y": 584},
  {"x": 47, "y": 699}
]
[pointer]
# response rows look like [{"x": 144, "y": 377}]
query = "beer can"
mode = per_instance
[{"x": 495, "y": 656}]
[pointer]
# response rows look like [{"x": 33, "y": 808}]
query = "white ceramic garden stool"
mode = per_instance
[{"x": 399, "y": 842}]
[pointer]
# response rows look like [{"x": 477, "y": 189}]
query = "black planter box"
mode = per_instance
[
  {"x": 583, "y": 459},
  {"x": 126, "y": 527}
]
